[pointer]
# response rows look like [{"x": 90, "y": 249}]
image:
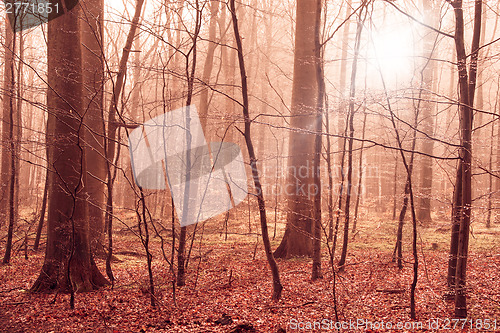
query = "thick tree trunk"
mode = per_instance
[
  {"x": 297, "y": 240},
  {"x": 93, "y": 81},
  {"x": 68, "y": 264}
]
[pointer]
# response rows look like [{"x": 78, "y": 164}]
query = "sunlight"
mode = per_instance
[
  {"x": 117, "y": 6},
  {"x": 392, "y": 52}
]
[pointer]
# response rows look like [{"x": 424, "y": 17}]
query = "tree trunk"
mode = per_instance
[
  {"x": 110, "y": 141},
  {"x": 456, "y": 213},
  {"x": 190, "y": 72},
  {"x": 209, "y": 62},
  {"x": 297, "y": 240},
  {"x": 8, "y": 104},
  {"x": 317, "y": 226},
  {"x": 8, "y": 168},
  {"x": 42, "y": 212},
  {"x": 277, "y": 287},
  {"x": 360, "y": 173},
  {"x": 93, "y": 78},
  {"x": 352, "y": 95},
  {"x": 467, "y": 86},
  {"x": 424, "y": 200},
  {"x": 68, "y": 264}
]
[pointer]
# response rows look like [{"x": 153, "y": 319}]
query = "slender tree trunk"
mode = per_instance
[
  {"x": 209, "y": 62},
  {"x": 42, "y": 212},
  {"x": 456, "y": 214},
  {"x": 8, "y": 104},
  {"x": 316, "y": 265},
  {"x": 8, "y": 177},
  {"x": 110, "y": 141},
  {"x": 395, "y": 189},
  {"x": 341, "y": 125},
  {"x": 408, "y": 189},
  {"x": 467, "y": 86},
  {"x": 424, "y": 200},
  {"x": 190, "y": 74},
  {"x": 330, "y": 176},
  {"x": 352, "y": 111},
  {"x": 360, "y": 175},
  {"x": 490, "y": 176},
  {"x": 277, "y": 287}
]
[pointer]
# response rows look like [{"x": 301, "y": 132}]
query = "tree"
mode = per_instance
[
  {"x": 467, "y": 86},
  {"x": 424, "y": 200},
  {"x": 297, "y": 240},
  {"x": 320, "y": 77},
  {"x": 93, "y": 78},
  {"x": 8, "y": 166},
  {"x": 209, "y": 62},
  {"x": 277, "y": 287},
  {"x": 352, "y": 111},
  {"x": 68, "y": 263}
]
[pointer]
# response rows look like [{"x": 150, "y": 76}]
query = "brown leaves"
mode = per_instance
[{"x": 364, "y": 291}]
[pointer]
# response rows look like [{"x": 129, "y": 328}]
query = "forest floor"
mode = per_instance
[{"x": 229, "y": 288}]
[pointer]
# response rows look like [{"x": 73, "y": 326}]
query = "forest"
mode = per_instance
[{"x": 249, "y": 166}]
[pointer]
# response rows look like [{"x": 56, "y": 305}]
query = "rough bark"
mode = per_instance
[
  {"x": 68, "y": 263},
  {"x": 93, "y": 81}
]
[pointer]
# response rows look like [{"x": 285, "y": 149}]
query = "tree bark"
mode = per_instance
[
  {"x": 93, "y": 78},
  {"x": 467, "y": 86},
  {"x": 317, "y": 226},
  {"x": 8, "y": 170},
  {"x": 42, "y": 212},
  {"x": 297, "y": 240},
  {"x": 68, "y": 264},
  {"x": 190, "y": 75},
  {"x": 352, "y": 95},
  {"x": 209, "y": 62},
  {"x": 7, "y": 104},
  {"x": 424, "y": 200},
  {"x": 277, "y": 287}
]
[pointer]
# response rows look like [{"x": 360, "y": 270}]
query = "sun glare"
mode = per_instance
[{"x": 392, "y": 53}]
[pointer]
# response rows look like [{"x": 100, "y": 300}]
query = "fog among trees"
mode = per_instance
[{"x": 249, "y": 166}]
